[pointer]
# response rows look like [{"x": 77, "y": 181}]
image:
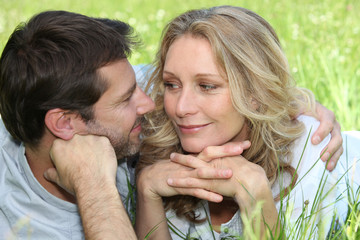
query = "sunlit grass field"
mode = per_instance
[{"x": 320, "y": 38}]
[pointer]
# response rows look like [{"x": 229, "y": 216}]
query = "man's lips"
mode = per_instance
[
  {"x": 191, "y": 128},
  {"x": 136, "y": 128}
]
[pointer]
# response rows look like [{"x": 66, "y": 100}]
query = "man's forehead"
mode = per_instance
[
  {"x": 118, "y": 71},
  {"x": 120, "y": 79}
]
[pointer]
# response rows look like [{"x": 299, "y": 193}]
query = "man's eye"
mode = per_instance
[{"x": 128, "y": 98}]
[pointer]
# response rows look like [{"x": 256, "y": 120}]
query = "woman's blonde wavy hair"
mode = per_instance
[{"x": 248, "y": 51}]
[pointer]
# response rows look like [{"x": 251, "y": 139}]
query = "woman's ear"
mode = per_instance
[
  {"x": 254, "y": 103},
  {"x": 62, "y": 123}
]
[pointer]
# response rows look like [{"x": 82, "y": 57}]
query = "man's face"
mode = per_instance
[{"x": 118, "y": 112}]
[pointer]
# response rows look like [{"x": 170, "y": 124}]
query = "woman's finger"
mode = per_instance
[
  {"x": 201, "y": 169},
  {"x": 187, "y": 160},
  {"x": 201, "y": 193},
  {"x": 226, "y": 150}
]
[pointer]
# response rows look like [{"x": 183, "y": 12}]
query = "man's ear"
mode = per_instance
[{"x": 62, "y": 124}]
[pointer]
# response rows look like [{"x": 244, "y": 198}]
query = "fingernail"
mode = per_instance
[
  {"x": 45, "y": 175},
  {"x": 316, "y": 140},
  {"x": 170, "y": 181},
  {"x": 330, "y": 165},
  {"x": 237, "y": 148},
  {"x": 326, "y": 156},
  {"x": 172, "y": 155},
  {"x": 226, "y": 173},
  {"x": 217, "y": 198}
]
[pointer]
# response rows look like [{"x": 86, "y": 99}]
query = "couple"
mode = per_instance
[{"x": 64, "y": 96}]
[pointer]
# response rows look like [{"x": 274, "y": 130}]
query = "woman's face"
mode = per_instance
[{"x": 197, "y": 98}]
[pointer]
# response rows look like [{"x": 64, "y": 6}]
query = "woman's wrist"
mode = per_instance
[
  {"x": 247, "y": 196},
  {"x": 145, "y": 188}
]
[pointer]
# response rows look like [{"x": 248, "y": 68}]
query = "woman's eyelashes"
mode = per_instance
[
  {"x": 203, "y": 87},
  {"x": 207, "y": 87},
  {"x": 170, "y": 85}
]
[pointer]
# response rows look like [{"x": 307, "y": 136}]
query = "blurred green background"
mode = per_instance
[{"x": 320, "y": 38}]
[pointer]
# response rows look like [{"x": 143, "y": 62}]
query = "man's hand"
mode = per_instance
[
  {"x": 81, "y": 161},
  {"x": 328, "y": 124}
]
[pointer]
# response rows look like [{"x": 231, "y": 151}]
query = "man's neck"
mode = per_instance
[{"x": 39, "y": 160}]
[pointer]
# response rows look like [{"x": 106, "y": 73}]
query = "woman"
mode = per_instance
[{"x": 221, "y": 76}]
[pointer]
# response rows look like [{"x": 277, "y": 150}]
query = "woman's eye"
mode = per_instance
[
  {"x": 170, "y": 85},
  {"x": 207, "y": 87}
]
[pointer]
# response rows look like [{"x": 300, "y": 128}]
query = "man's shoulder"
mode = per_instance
[
  {"x": 3, "y": 131},
  {"x": 142, "y": 73},
  {"x": 310, "y": 126},
  {"x": 7, "y": 142},
  {"x": 305, "y": 155},
  {"x": 125, "y": 182},
  {"x": 309, "y": 122}
]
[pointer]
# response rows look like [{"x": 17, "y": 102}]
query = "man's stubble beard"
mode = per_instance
[{"x": 122, "y": 145}]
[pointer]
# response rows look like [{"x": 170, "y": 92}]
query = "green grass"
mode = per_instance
[{"x": 320, "y": 38}]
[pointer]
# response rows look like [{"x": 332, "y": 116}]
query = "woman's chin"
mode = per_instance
[{"x": 194, "y": 148}]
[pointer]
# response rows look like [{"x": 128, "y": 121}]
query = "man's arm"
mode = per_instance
[
  {"x": 91, "y": 178},
  {"x": 102, "y": 212}
]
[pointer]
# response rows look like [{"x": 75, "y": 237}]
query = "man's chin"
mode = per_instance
[{"x": 128, "y": 151}]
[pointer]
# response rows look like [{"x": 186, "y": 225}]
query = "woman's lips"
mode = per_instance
[{"x": 188, "y": 129}]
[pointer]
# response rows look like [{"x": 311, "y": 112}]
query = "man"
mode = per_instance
[{"x": 63, "y": 74}]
